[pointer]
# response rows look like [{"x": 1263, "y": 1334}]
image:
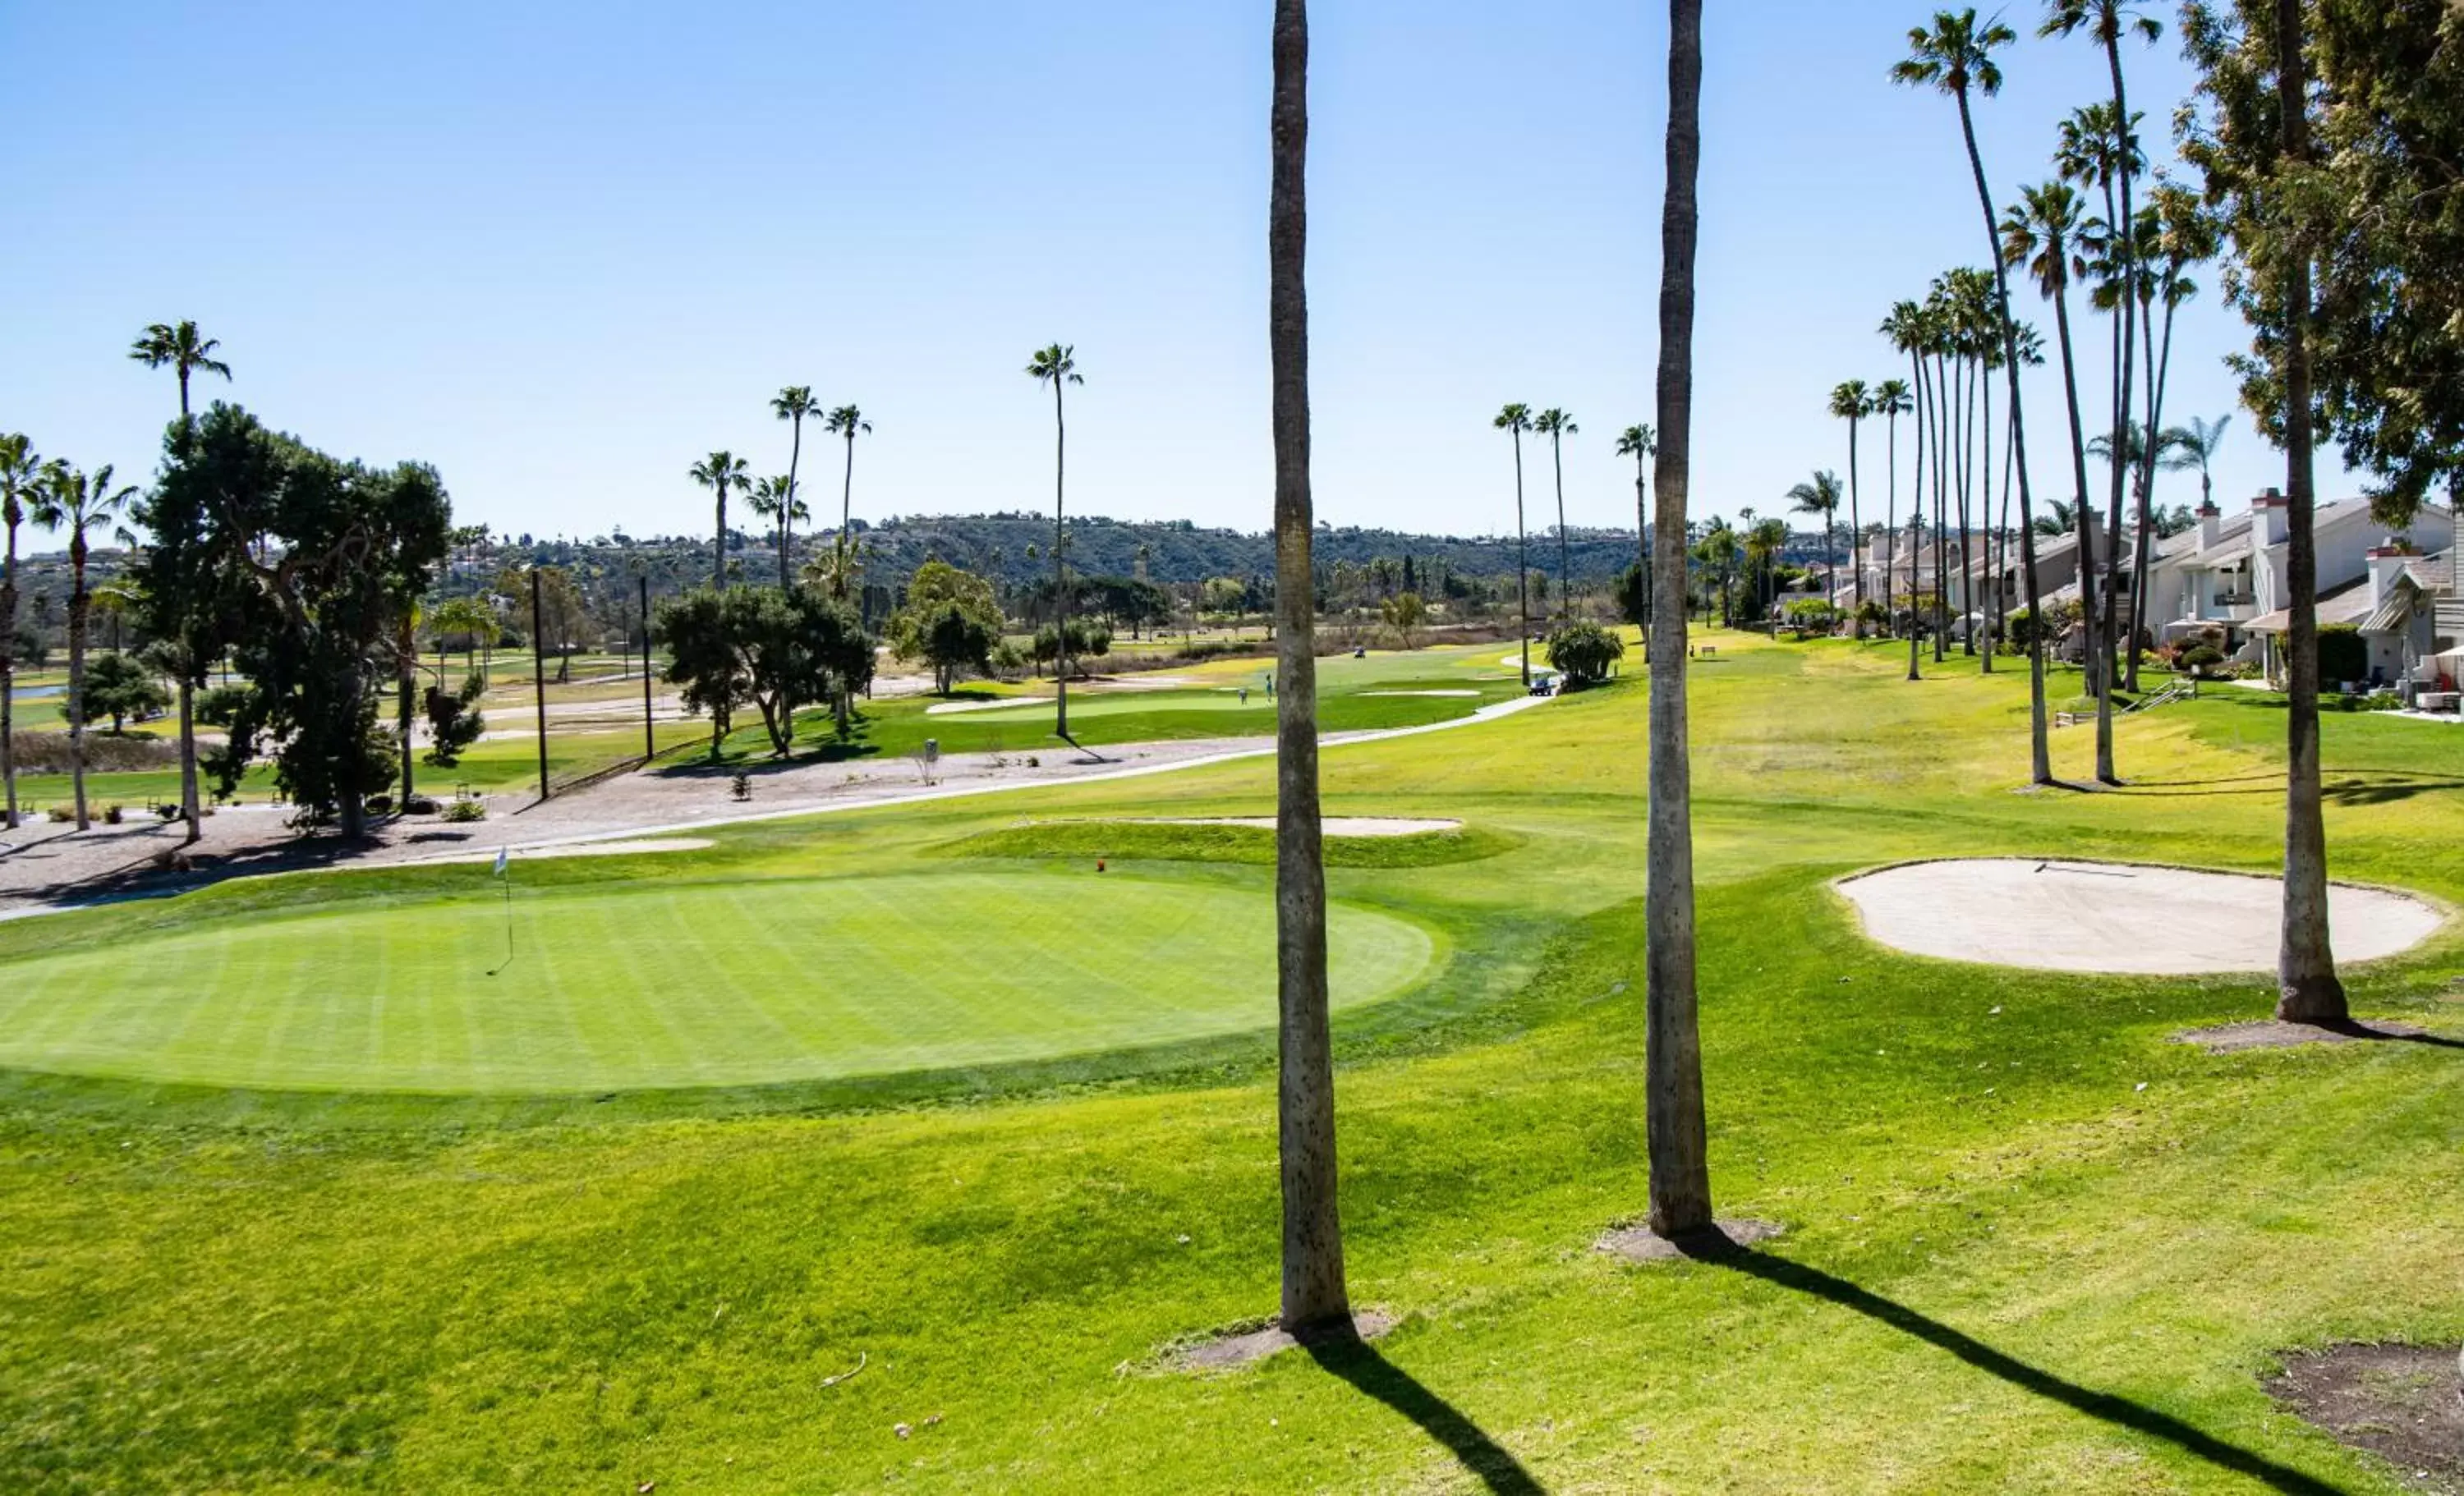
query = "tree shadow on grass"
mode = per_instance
[
  {"x": 2353, "y": 1028},
  {"x": 2121, "y": 1412},
  {"x": 1360, "y": 1363}
]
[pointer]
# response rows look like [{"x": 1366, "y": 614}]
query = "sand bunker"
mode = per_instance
[
  {"x": 1450, "y": 691},
  {"x": 2133, "y": 919},
  {"x": 953, "y": 708},
  {"x": 1332, "y": 825}
]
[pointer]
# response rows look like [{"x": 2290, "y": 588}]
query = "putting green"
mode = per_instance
[{"x": 694, "y": 985}]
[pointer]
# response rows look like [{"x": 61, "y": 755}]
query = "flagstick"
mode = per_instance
[{"x": 504, "y": 876}]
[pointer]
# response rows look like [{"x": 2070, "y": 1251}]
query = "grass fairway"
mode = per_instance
[
  {"x": 2033, "y": 1245},
  {"x": 651, "y": 984}
]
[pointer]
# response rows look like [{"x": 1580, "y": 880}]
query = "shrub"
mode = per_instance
[
  {"x": 419, "y": 805},
  {"x": 2342, "y": 655},
  {"x": 60, "y": 813},
  {"x": 113, "y": 815},
  {"x": 466, "y": 808},
  {"x": 1584, "y": 651},
  {"x": 2198, "y": 658}
]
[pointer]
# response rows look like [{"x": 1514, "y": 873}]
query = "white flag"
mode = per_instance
[{"x": 500, "y": 862}]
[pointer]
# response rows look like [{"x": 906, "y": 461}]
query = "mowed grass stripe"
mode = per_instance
[{"x": 659, "y": 987}]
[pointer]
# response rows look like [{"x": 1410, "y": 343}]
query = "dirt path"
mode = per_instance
[{"x": 46, "y": 867}]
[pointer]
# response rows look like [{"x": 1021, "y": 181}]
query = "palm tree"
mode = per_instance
[
  {"x": 79, "y": 503},
  {"x": 1637, "y": 442},
  {"x": 1891, "y": 401},
  {"x": 792, "y": 404},
  {"x": 2195, "y": 446},
  {"x": 1957, "y": 56},
  {"x": 1314, "y": 1294},
  {"x": 1057, "y": 364},
  {"x": 1821, "y": 496},
  {"x": 2180, "y": 234},
  {"x": 1557, "y": 425},
  {"x": 2041, "y": 234},
  {"x": 1516, "y": 419},
  {"x": 183, "y": 350},
  {"x": 773, "y": 498},
  {"x": 1906, "y": 327},
  {"x": 1851, "y": 400},
  {"x": 1674, "y": 1130},
  {"x": 2307, "y": 989},
  {"x": 186, "y": 352},
  {"x": 2107, "y": 22},
  {"x": 2100, "y": 148},
  {"x": 849, "y": 422},
  {"x": 1765, "y": 540},
  {"x": 722, "y": 472},
  {"x": 20, "y": 470}
]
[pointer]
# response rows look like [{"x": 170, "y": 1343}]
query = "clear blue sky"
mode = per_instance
[{"x": 561, "y": 251}]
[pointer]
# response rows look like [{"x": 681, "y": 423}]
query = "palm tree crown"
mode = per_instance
[
  {"x": 2107, "y": 20},
  {"x": 2040, "y": 232},
  {"x": 184, "y": 349},
  {"x": 722, "y": 472},
  {"x": 1636, "y": 440},
  {"x": 1956, "y": 55}
]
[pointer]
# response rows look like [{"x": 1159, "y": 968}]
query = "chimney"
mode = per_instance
[
  {"x": 2268, "y": 513},
  {"x": 2210, "y": 525},
  {"x": 2386, "y": 563}
]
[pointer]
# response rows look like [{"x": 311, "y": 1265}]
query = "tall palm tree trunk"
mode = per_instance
[
  {"x": 1891, "y": 523},
  {"x": 2307, "y": 989},
  {"x": 1915, "y": 518},
  {"x": 1059, "y": 573},
  {"x": 2083, "y": 525},
  {"x": 1675, "y": 1130},
  {"x": 1942, "y": 528},
  {"x": 1856, "y": 530},
  {"x": 2159, "y": 372},
  {"x": 718, "y": 550},
  {"x": 2127, "y": 313},
  {"x": 2040, "y": 750},
  {"x": 1966, "y": 384},
  {"x": 1314, "y": 1294},
  {"x": 8, "y": 678},
  {"x": 1565, "y": 567},
  {"x": 1642, "y": 548},
  {"x": 78, "y": 605},
  {"x": 1989, "y": 606},
  {"x": 787, "y": 508},
  {"x": 1522, "y": 564}
]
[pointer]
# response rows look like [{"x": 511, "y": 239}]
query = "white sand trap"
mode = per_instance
[
  {"x": 2146, "y": 920},
  {"x": 953, "y": 708},
  {"x": 627, "y": 848},
  {"x": 1450, "y": 691},
  {"x": 1332, "y": 825}
]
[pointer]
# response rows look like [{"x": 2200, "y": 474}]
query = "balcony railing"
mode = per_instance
[{"x": 2235, "y": 598}]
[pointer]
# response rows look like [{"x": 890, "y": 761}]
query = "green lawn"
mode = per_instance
[
  {"x": 2032, "y": 1246},
  {"x": 663, "y": 984}
]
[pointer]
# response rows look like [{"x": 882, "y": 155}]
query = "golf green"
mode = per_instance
[{"x": 652, "y": 986}]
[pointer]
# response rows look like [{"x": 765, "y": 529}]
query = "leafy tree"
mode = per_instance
[
  {"x": 80, "y": 503},
  {"x": 1404, "y": 613},
  {"x": 335, "y": 556},
  {"x": 722, "y": 472},
  {"x": 1081, "y": 638},
  {"x": 119, "y": 686},
  {"x": 951, "y": 623},
  {"x": 766, "y": 649},
  {"x": 1584, "y": 651},
  {"x": 2251, "y": 141},
  {"x": 454, "y": 720},
  {"x": 194, "y": 602}
]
